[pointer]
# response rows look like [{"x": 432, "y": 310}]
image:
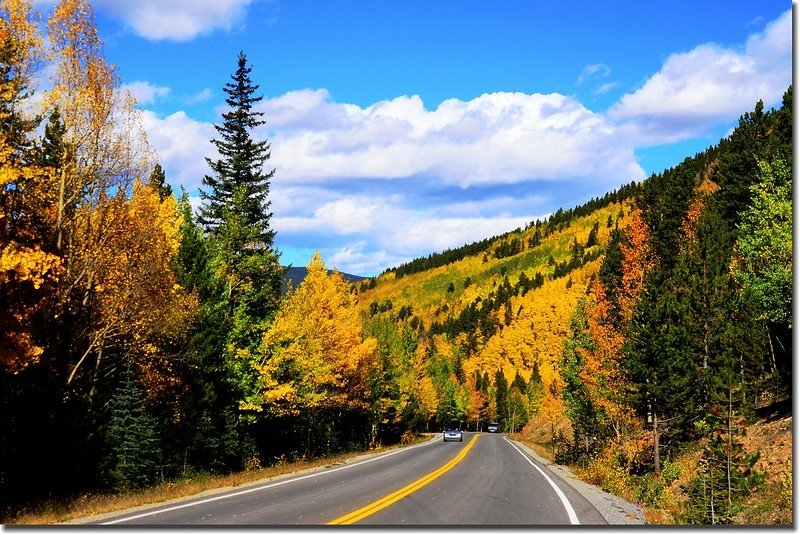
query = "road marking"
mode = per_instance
[
  {"x": 573, "y": 518},
  {"x": 386, "y": 501},
  {"x": 262, "y": 487}
]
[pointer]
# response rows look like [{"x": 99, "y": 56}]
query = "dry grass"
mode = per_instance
[
  {"x": 96, "y": 504},
  {"x": 770, "y": 506}
]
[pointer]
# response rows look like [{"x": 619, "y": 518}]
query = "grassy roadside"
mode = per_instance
[
  {"x": 663, "y": 500},
  {"x": 97, "y": 503}
]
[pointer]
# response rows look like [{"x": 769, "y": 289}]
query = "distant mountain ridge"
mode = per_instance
[{"x": 297, "y": 274}]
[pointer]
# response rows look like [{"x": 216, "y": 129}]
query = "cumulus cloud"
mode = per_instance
[
  {"x": 450, "y": 169},
  {"x": 182, "y": 144},
  {"x": 710, "y": 84},
  {"x": 497, "y": 138},
  {"x": 176, "y": 20},
  {"x": 145, "y": 92},
  {"x": 366, "y": 234},
  {"x": 374, "y": 186}
]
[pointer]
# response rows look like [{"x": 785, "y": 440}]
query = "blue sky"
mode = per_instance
[{"x": 403, "y": 128}]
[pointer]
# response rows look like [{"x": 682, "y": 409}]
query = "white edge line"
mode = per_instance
[
  {"x": 262, "y": 487},
  {"x": 573, "y": 518}
]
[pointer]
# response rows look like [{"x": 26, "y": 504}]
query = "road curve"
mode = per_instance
[{"x": 486, "y": 480}]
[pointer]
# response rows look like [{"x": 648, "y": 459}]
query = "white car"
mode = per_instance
[
  {"x": 493, "y": 427},
  {"x": 453, "y": 435}
]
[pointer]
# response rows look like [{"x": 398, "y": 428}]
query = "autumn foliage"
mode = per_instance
[{"x": 314, "y": 354}]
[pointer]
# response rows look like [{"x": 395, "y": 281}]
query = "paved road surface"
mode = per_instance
[{"x": 483, "y": 481}]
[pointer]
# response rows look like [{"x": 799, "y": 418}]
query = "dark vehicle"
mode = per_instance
[
  {"x": 493, "y": 427},
  {"x": 452, "y": 435}
]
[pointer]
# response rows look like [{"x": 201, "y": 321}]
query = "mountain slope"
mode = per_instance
[{"x": 295, "y": 275}]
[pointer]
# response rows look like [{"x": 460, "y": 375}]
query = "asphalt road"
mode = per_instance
[{"x": 483, "y": 481}]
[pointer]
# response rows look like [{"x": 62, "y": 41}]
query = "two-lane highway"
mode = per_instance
[{"x": 484, "y": 480}]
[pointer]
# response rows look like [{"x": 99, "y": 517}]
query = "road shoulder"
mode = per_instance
[{"x": 614, "y": 509}]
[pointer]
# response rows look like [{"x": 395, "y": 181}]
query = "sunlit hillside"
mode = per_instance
[
  {"x": 478, "y": 276},
  {"x": 504, "y": 309}
]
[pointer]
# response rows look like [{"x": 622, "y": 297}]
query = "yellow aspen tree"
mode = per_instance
[
  {"x": 136, "y": 296},
  {"x": 314, "y": 353},
  {"x": 28, "y": 270},
  {"x": 103, "y": 150}
]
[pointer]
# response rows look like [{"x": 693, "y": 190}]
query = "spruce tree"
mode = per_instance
[
  {"x": 133, "y": 452},
  {"x": 158, "y": 181},
  {"x": 501, "y": 398},
  {"x": 241, "y": 161},
  {"x": 242, "y": 273}
]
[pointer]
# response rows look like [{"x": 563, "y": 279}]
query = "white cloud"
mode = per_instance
[
  {"x": 600, "y": 70},
  {"x": 182, "y": 144},
  {"x": 356, "y": 259},
  {"x": 710, "y": 84},
  {"x": 198, "y": 98},
  {"x": 176, "y": 20},
  {"x": 475, "y": 161},
  {"x": 366, "y": 234},
  {"x": 327, "y": 154},
  {"x": 497, "y": 138},
  {"x": 145, "y": 92}
]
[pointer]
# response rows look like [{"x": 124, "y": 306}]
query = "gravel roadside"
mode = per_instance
[{"x": 614, "y": 509}]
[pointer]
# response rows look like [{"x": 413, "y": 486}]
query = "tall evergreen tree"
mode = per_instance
[
  {"x": 581, "y": 411},
  {"x": 242, "y": 274},
  {"x": 241, "y": 161},
  {"x": 659, "y": 362}
]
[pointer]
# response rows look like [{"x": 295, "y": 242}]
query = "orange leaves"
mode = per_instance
[
  {"x": 138, "y": 287},
  {"x": 701, "y": 192},
  {"x": 127, "y": 274},
  {"x": 314, "y": 353},
  {"x": 602, "y": 372},
  {"x": 636, "y": 261}
]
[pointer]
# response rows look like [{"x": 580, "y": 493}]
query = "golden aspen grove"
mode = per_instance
[{"x": 631, "y": 338}]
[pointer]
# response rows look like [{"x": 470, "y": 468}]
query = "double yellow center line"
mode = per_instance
[{"x": 386, "y": 501}]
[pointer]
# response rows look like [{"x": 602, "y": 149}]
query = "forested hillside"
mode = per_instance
[
  {"x": 142, "y": 342},
  {"x": 631, "y": 335}
]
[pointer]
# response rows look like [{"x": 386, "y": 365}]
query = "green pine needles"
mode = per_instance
[
  {"x": 133, "y": 449},
  {"x": 241, "y": 161}
]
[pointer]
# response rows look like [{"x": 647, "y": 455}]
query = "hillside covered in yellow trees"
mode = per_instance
[{"x": 505, "y": 309}]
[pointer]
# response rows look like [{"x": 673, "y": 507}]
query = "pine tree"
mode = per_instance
[
  {"x": 246, "y": 275},
  {"x": 241, "y": 162},
  {"x": 501, "y": 398},
  {"x": 580, "y": 409},
  {"x": 158, "y": 181},
  {"x": 133, "y": 451},
  {"x": 727, "y": 474},
  {"x": 659, "y": 363}
]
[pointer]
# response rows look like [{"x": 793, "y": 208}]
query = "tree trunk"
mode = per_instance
[
  {"x": 60, "y": 216},
  {"x": 729, "y": 453},
  {"x": 656, "y": 446},
  {"x": 771, "y": 349}
]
